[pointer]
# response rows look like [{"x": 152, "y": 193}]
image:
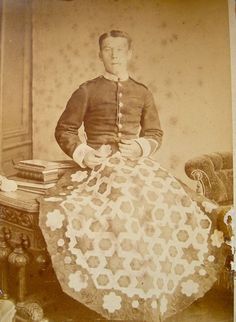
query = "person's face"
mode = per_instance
[{"x": 115, "y": 54}]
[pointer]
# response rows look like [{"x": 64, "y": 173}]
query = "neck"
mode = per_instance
[{"x": 122, "y": 75}]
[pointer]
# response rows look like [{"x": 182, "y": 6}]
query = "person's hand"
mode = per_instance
[
  {"x": 130, "y": 149},
  {"x": 93, "y": 158}
]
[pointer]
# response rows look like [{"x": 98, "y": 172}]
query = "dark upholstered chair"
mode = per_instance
[{"x": 214, "y": 175}]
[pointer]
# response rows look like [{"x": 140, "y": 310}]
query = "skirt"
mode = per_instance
[{"x": 128, "y": 241}]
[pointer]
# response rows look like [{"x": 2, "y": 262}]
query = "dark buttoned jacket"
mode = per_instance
[{"x": 111, "y": 111}]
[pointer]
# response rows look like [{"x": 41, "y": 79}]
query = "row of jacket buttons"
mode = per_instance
[{"x": 120, "y": 104}]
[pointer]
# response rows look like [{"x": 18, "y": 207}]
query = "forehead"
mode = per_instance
[{"x": 114, "y": 42}]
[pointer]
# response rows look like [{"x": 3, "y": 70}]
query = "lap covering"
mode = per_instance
[{"x": 127, "y": 241}]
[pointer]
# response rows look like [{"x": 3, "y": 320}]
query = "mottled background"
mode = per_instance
[{"x": 181, "y": 52}]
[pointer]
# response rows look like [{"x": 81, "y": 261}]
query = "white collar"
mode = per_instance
[{"x": 109, "y": 76}]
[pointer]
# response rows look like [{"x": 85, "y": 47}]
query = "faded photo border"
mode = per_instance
[
  {"x": 44, "y": 97},
  {"x": 232, "y": 31}
]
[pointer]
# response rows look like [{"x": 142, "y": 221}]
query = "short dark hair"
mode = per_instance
[{"x": 115, "y": 33}]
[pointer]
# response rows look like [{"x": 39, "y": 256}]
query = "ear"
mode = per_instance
[
  {"x": 100, "y": 55},
  {"x": 130, "y": 53}
]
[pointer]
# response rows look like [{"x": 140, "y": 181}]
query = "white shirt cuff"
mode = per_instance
[
  {"x": 154, "y": 145},
  {"x": 79, "y": 154},
  {"x": 147, "y": 146}
]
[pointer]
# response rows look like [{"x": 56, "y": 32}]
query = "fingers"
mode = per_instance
[
  {"x": 92, "y": 159},
  {"x": 95, "y": 155},
  {"x": 130, "y": 149},
  {"x": 124, "y": 147},
  {"x": 95, "y": 160},
  {"x": 127, "y": 149},
  {"x": 92, "y": 165},
  {"x": 126, "y": 152},
  {"x": 128, "y": 156},
  {"x": 127, "y": 142},
  {"x": 98, "y": 153}
]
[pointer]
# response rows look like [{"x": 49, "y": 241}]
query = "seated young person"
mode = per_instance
[{"x": 124, "y": 236}]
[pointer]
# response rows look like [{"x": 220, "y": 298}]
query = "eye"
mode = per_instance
[{"x": 106, "y": 49}]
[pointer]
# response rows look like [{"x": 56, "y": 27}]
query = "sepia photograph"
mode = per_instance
[{"x": 117, "y": 172}]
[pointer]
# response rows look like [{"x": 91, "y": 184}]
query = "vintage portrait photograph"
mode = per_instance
[{"x": 116, "y": 160}]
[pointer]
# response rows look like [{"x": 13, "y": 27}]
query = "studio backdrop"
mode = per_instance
[{"x": 180, "y": 51}]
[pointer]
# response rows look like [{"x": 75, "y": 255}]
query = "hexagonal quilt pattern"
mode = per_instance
[{"x": 128, "y": 239}]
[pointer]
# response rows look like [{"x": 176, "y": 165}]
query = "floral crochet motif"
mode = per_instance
[{"x": 112, "y": 302}]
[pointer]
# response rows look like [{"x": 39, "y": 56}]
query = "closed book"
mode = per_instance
[
  {"x": 44, "y": 176},
  {"x": 34, "y": 169},
  {"x": 38, "y": 164},
  {"x": 32, "y": 183},
  {"x": 43, "y": 165},
  {"x": 38, "y": 192}
]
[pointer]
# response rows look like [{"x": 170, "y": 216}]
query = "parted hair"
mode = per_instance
[{"x": 115, "y": 33}]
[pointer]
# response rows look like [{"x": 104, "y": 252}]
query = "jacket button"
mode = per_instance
[
  {"x": 119, "y": 135},
  {"x": 120, "y": 114},
  {"x": 120, "y": 94},
  {"x": 121, "y": 104},
  {"x": 119, "y": 126}
]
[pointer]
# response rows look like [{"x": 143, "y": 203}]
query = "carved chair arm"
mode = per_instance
[{"x": 214, "y": 176}]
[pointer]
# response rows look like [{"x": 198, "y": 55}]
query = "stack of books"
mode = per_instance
[{"x": 39, "y": 175}]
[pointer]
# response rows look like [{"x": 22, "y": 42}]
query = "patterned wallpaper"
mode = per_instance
[{"x": 181, "y": 52}]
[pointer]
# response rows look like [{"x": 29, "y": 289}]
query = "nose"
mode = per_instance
[{"x": 114, "y": 53}]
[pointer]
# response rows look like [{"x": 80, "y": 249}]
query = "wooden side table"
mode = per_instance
[{"x": 21, "y": 246}]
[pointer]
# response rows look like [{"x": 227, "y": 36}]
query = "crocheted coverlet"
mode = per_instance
[{"x": 129, "y": 242}]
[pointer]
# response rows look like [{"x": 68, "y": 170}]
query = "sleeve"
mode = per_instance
[
  {"x": 151, "y": 132},
  {"x": 66, "y": 132}
]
